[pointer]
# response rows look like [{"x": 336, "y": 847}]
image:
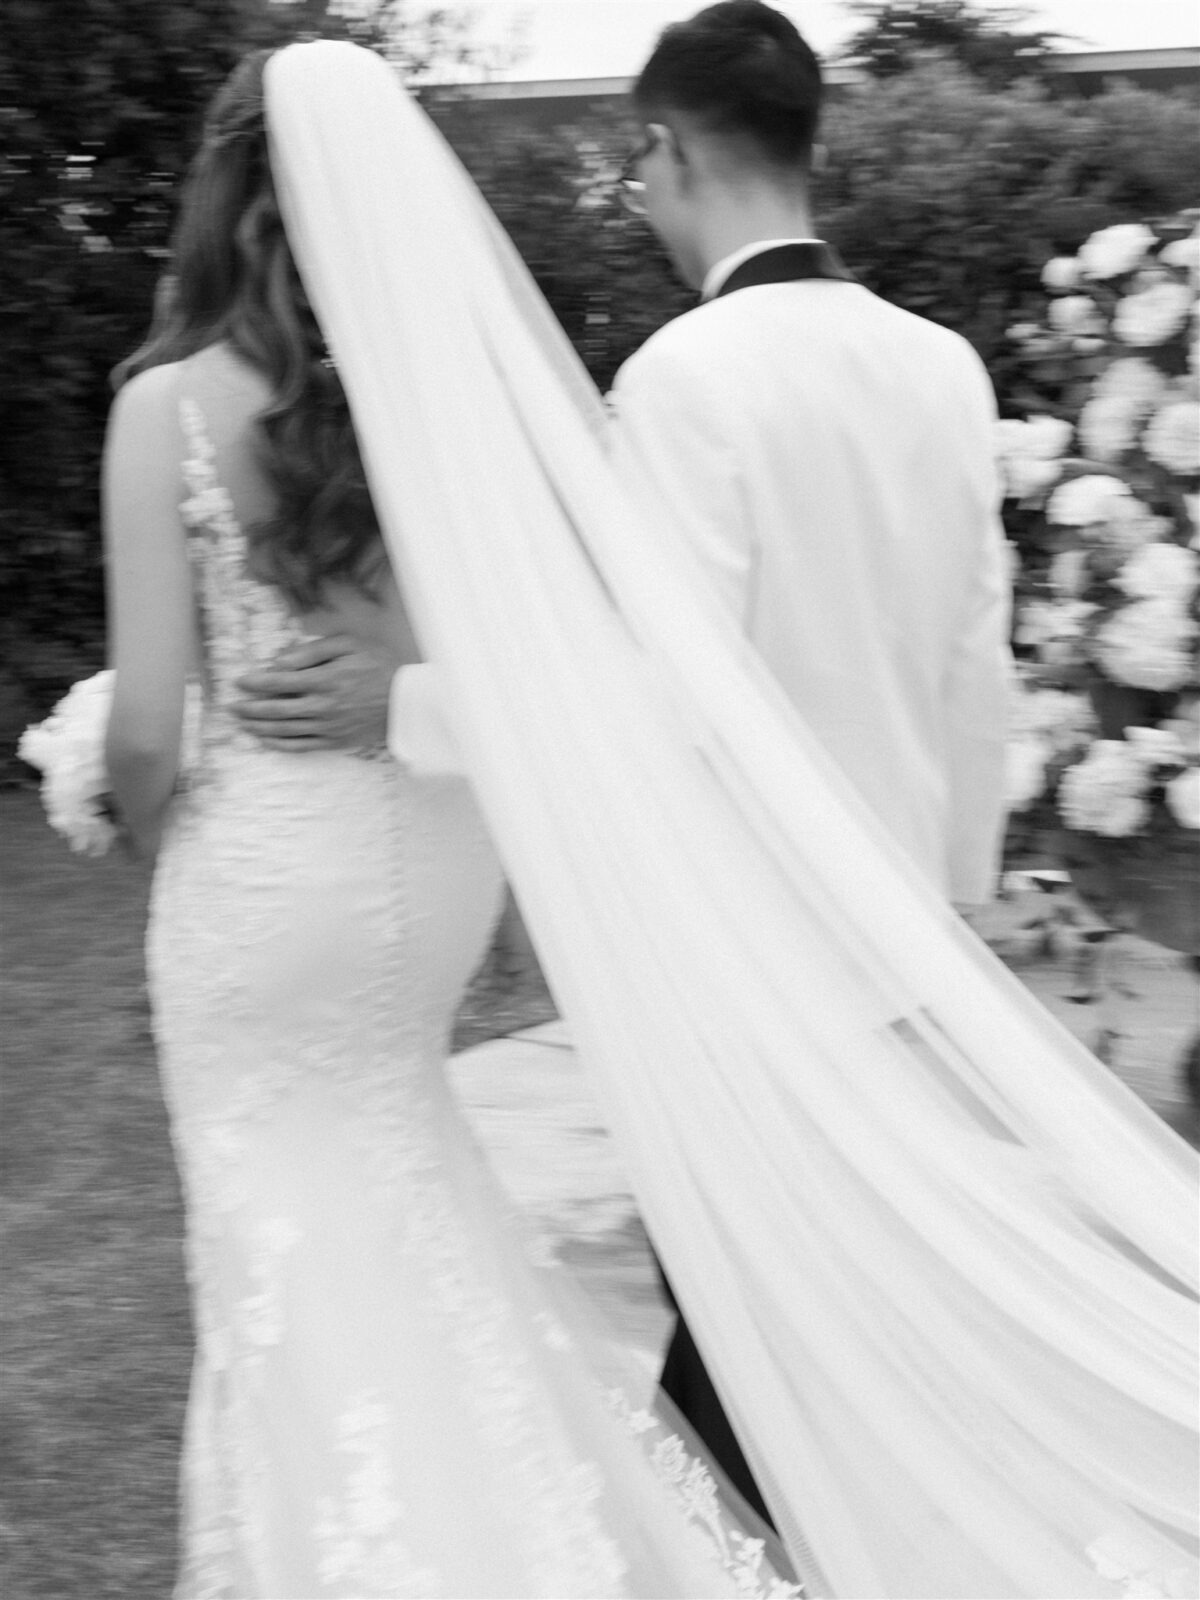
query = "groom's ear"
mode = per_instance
[{"x": 666, "y": 138}]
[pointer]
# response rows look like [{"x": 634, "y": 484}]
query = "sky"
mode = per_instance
[{"x": 611, "y": 38}]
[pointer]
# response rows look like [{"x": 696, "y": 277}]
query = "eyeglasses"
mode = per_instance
[{"x": 631, "y": 189}]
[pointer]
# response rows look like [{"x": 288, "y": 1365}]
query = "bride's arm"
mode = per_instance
[{"x": 150, "y": 609}]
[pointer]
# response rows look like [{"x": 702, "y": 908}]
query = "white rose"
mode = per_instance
[
  {"x": 1183, "y": 798},
  {"x": 1043, "y": 723},
  {"x": 1104, "y": 793},
  {"x": 1151, "y": 317},
  {"x": 1160, "y": 572},
  {"x": 1029, "y": 453},
  {"x": 1148, "y": 645},
  {"x": 1095, "y": 497},
  {"x": 1058, "y": 715},
  {"x": 1046, "y": 438},
  {"x": 1156, "y": 747},
  {"x": 1107, "y": 427},
  {"x": 1053, "y": 628},
  {"x": 1135, "y": 380},
  {"x": 1026, "y": 476},
  {"x": 1062, "y": 272},
  {"x": 1074, "y": 721},
  {"x": 1075, "y": 315},
  {"x": 1173, "y": 437},
  {"x": 1024, "y": 772},
  {"x": 1183, "y": 254},
  {"x": 1116, "y": 250}
]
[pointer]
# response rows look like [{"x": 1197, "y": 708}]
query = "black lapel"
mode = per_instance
[{"x": 786, "y": 263}]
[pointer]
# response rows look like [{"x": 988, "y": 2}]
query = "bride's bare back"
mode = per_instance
[{"x": 231, "y": 395}]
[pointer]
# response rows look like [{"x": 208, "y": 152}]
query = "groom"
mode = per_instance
[{"x": 828, "y": 456}]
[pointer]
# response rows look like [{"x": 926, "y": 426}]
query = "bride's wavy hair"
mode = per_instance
[{"x": 232, "y": 280}]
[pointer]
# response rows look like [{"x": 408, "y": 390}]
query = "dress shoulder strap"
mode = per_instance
[
  {"x": 198, "y": 462},
  {"x": 209, "y": 503}
]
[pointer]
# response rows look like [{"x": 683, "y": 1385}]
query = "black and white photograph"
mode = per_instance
[{"x": 599, "y": 800}]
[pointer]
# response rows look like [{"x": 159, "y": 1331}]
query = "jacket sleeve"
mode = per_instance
[
  {"x": 670, "y": 445},
  {"x": 420, "y": 732}
]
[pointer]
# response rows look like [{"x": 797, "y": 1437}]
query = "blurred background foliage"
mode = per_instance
[{"x": 955, "y": 169}]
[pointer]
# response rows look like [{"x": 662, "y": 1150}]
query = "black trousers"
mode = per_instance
[{"x": 686, "y": 1382}]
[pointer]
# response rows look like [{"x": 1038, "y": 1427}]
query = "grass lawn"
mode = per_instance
[{"x": 96, "y": 1338}]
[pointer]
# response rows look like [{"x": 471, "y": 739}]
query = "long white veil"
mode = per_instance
[{"x": 941, "y": 1264}]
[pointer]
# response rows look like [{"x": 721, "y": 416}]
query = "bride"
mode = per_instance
[{"x": 941, "y": 1266}]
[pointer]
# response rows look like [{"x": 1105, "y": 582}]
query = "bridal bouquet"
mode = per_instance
[
  {"x": 1103, "y": 508},
  {"x": 68, "y": 750}
]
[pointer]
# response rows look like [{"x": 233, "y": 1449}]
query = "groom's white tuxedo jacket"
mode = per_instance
[{"x": 830, "y": 458}]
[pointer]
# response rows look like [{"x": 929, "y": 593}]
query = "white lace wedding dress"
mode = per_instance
[{"x": 383, "y": 1402}]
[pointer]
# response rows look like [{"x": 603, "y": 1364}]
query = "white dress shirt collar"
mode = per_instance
[{"x": 718, "y": 273}]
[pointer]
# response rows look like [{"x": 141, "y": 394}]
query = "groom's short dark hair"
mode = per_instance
[{"x": 739, "y": 69}]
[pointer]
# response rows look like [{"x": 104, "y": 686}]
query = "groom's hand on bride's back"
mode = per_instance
[{"x": 325, "y": 694}]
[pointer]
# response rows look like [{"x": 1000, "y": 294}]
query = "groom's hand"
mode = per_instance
[{"x": 327, "y": 694}]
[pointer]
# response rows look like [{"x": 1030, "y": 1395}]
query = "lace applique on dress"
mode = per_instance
[
  {"x": 695, "y": 1491},
  {"x": 358, "y": 1533},
  {"x": 260, "y": 1318},
  {"x": 243, "y": 622}
]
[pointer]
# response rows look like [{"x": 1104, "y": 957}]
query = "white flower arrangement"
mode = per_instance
[
  {"x": 1106, "y": 792},
  {"x": 1183, "y": 253},
  {"x": 1108, "y": 601},
  {"x": 1044, "y": 725},
  {"x": 1030, "y": 452},
  {"x": 68, "y": 749},
  {"x": 1151, "y": 316},
  {"x": 1183, "y": 798},
  {"x": 1076, "y": 314},
  {"x": 1147, "y": 645},
  {"x": 1135, "y": 380},
  {"x": 1062, "y": 273},
  {"x": 1173, "y": 437},
  {"x": 1115, "y": 251},
  {"x": 1108, "y": 425},
  {"x": 1091, "y": 500},
  {"x": 1160, "y": 571}
]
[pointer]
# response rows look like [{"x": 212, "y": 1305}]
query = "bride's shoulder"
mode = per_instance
[
  {"x": 150, "y": 387},
  {"x": 145, "y": 409},
  {"x": 219, "y": 373}
]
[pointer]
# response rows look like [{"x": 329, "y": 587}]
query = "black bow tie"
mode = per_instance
[{"x": 787, "y": 263}]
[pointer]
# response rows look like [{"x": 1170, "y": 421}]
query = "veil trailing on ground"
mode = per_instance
[{"x": 941, "y": 1264}]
